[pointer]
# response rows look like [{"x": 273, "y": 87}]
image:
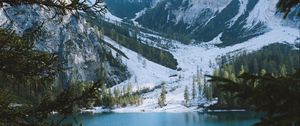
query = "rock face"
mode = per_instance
[{"x": 80, "y": 47}]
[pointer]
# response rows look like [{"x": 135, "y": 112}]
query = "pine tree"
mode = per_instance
[
  {"x": 200, "y": 87},
  {"x": 242, "y": 70},
  {"x": 255, "y": 66},
  {"x": 111, "y": 99},
  {"x": 162, "y": 99},
  {"x": 215, "y": 91},
  {"x": 283, "y": 70},
  {"x": 186, "y": 96},
  {"x": 117, "y": 94},
  {"x": 233, "y": 77},
  {"x": 226, "y": 74},
  {"x": 207, "y": 91},
  {"x": 263, "y": 72},
  {"x": 129, "y": 89},
  {"x": 124, "y": 90},
  {"x": 194, "y": 91}
]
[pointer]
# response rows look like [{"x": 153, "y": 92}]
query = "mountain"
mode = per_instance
[
  {"x": 197, "y": 33},
  {"x": 80, "y": 47},
  {"x": 145, "y": 43},
  {"x": 234, "y": 21}
]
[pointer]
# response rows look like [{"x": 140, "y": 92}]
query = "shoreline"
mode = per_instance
[{"x": 99, "y": 110}]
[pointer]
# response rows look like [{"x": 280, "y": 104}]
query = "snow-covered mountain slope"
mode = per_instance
[
  {"x": 237, "y": 25},
  {"x": 190, "y": 58},
  {"x": 79, "y": 45},
  {"x": 235, "y": 21}
]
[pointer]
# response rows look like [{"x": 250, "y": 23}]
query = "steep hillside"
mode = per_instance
[
  {"x": 80, "y": 47},
  {"x": 127, "y": 35}
]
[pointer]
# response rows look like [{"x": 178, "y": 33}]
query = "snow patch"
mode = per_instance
[
  {"x": 145, "y": 73},
  {"x": 242, "y": 9},
  {"x": 263, "y": 12},
  {"x": 112, "y": 17},
  {"x": 196, "y": 7}
]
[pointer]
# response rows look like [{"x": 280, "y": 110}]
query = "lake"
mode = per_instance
[{"x": 170, "y": 119}]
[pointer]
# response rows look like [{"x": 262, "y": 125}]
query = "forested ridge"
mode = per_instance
[
  {"x": 128, "y": 38},
  {"x": 266, "y": 81},
  {"x": 278, "y": 59}
]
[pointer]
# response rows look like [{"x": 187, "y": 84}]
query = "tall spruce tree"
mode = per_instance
[
  {"x": 186, "y": 96},
  {"x": 162, "y": 98},
  {"x": 194, "y": 91}
]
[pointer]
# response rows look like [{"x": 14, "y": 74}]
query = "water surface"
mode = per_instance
[{"x": 170, "y": 119}]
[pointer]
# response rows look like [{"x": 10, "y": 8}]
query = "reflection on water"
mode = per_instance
[{"x": 170, "y": 119}]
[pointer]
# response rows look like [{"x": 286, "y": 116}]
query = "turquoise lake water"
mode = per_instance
[{"x": 170, "y": 119}]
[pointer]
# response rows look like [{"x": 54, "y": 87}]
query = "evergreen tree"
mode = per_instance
[
  {"x": 207, "y": 91},
  {"x": 226, "y": 74},
  {"x": 242, "y": 71},
  {"x": 111, "y": 100},
  {"x": 186, "y": 96},
  {"x": 198, "y": 79},
  {"x": 255, "y": 66},
  {"x": 283, "y": 71},
  {"x": 263, "y": 72},
  {"x": 233, "y": 77},
  {"x": 162, "y": 98},
  {"x": 194, "y": 91},
  {"x": 129, "y": 89},
  {"x": 215, "y": 91},
  {"x": 117, "y": 94}
]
